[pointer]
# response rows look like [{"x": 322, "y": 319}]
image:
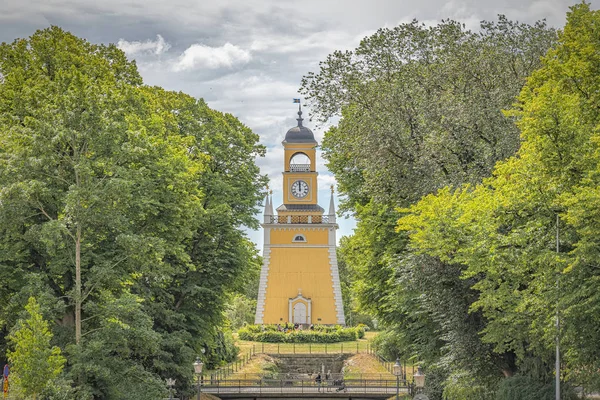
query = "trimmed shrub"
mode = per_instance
[
  {"x": 320, "y": 334},
  {"x": 360, "y": 331}
]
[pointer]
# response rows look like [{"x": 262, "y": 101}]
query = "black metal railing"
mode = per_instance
[
  {"x": 372, "y": 379},
  {"x": 307, "y": 385},
  {"x": 299, "y": 167},
  {"x": 299, "y": 219}
]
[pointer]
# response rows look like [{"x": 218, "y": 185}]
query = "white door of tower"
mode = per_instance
[{"x": 299, "y": 313}]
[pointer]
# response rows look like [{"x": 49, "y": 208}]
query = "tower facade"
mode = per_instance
[{"x": 299, "y": 280}]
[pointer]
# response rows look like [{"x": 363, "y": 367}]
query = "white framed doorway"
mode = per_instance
[
  {"x": 300, "y": 309},
  {"x": 299, "y": 313}
]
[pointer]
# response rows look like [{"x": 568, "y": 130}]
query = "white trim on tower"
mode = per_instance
[
  {"x": 335, "y": 276},
  {"x": 264, "y": 274}
]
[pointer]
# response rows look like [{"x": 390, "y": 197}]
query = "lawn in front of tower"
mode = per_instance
[{"x": 361, "y": 363}]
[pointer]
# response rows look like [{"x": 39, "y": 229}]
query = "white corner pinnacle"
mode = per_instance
[
  {"x": 268, "y": 210},
  {"x": 264, "y": 271},
  {"x": 337, "y": 288},
  {"x": 331, "y": 208},
  {"x": 333, "y": 265},
  {"x": 271, "y": 203},
  {"x": 264, "y": 275}
]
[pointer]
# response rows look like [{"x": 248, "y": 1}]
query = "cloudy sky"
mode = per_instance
[{"x": 247, "y": 57}]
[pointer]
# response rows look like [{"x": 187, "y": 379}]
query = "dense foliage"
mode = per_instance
[
  {"x": 354, "y": 316},
  {"x": 319, "y": 334},
  {"x": 527, "y": 237},
  {"x": 421, "y": 109},
  {"x": 121, "y": 209},
  {"x": 240, "y": 311}
]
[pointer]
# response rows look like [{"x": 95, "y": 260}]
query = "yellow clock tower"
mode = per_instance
[{"x": 299, "y": 280}]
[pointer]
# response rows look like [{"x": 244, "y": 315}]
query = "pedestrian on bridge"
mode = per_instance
[{"x": 318, "y": 381}]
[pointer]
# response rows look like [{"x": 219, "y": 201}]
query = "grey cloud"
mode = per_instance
[{"x": 157, "y": 47}]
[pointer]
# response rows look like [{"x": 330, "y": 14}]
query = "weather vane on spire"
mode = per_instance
[{"x": 299, "y": 119}]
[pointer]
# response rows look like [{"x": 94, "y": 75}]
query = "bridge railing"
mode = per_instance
[
  {"x": 303, "y": 386},
  {"x": 297, "y": 377}
]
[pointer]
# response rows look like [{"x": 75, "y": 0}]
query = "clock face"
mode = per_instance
[{"x": 299, "y": 189}]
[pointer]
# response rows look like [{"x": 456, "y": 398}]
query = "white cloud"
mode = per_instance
[
  {"x": 201, "y": 56},
  {"x": 272, "y": 165},
  {"x": 326, "y": 180},
  {"x": 157, "y": 46}
]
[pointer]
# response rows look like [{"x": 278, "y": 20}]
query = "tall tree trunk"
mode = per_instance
[{"x": 78, "y": 285}]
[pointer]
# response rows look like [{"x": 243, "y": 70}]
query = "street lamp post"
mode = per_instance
[
  {"x": 557, "y": 360},
  {"x": 170, "y": 384},
  {"x": 198, "y": 371},
  {"x": 397, "y": 370},
  {"x": 419, "y": 379}
]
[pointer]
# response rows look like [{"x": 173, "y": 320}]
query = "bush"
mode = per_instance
[
  {"x": 221, "y": 349},
  {"x": 461, "y": 385},
  {"x": 526, "y": 388},
  {"x": 327, "y": 328},
  {"x": 252, "y": 328},
  {"x": 360, "y": 330},
  {"x": 245, "y": 333},
  {"x": 240, "y": 311},
  {"x": 269, "y": 336},
  {"x": 389, "y": 344},
  {"x": 320, "y": 334}
]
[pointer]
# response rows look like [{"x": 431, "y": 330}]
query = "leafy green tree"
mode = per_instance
[
  {"x": 219, "y": 258},
  {"x": 62, "y": 125},
  {"x": 503, "y": 233},
  {"x": 35, "y": 363},
  {"x": 121, "y": 208},
  {"x": 351, "y": 308},
  {"x": 421, "y": 106},
  {"x": 241, "y": 311}
]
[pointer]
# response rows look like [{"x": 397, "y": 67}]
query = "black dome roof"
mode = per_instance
[{"x": 299, "y": 134}]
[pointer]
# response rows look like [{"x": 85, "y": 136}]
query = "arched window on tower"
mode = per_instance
[
  {"x": 300, "y": 162},
  {"x": 298, "y": 238}
]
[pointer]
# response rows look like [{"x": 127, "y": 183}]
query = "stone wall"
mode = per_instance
[{"x": 303, "y": 364}]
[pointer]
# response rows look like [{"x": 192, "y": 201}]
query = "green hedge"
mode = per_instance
[{"x": 320, "y": 334}]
